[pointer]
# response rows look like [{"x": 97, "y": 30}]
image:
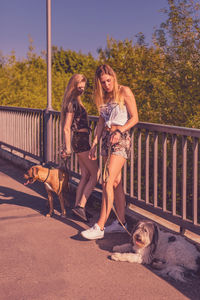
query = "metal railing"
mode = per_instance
[
  {"x": 22, "y": 131},
  {"x": 162, "y": 174}
]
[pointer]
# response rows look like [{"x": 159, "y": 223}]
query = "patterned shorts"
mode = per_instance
[
  {"x": 122, "y": 148},
  {"x": 80, "y": 142}
]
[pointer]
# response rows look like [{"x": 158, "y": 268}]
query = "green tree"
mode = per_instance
[
  {"x": 67, "y": 63},
  {"x": 179, "y": 39}
]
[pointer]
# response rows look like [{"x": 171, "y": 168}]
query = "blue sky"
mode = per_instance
[{"x": 76, "y": 25}]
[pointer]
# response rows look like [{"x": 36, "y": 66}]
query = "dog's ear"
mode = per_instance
[
  {"x": 135, "y": 227},
  {"x": 35, "y": 171},
  {"x": 155, "y": 238}
]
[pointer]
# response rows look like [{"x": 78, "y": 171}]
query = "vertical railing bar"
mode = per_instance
[
  {"x": 72, "y": 162},
  {"x": 125, "y": 177},
  {"x": 28, "y": 129},
  {"x": 90, "y": 135},
  {"x": 16, "y": 127},
  {"x": 155, "y": 171},
  {"x": 9, "y": 135},
  {"x": 132, "y": 166},
  {"x": 53, "y": 138},
  {"x": 7, "y": 127},
  {"x": 11, "y": 129},
  {"x": 76, "y": 163},
  {"x": 139, "y": 163},
  {"x": 56, "y": 140},
  {"x": 174, "y": 172},
  {"x": 164, "y": 172},
  {"x": 20, "y": 131},
  {"x": 147, "y": 166},
  {"x": 38, "y": 135},
  {"x": 195, "y": 180},
  {"x": 35, "y": 134},
  {"x": 60, "y": 140},
  {"x": 26, "y": 132},
  {"x": 100, "y": 162},
  {"x": 184, "y": 176},
  {"x": 32, "y": 132}
]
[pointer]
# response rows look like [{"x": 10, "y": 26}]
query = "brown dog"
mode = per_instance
[{"x": 55, "y": 180}]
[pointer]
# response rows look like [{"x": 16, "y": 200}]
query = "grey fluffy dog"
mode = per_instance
[{"x": 171, "y": 253}]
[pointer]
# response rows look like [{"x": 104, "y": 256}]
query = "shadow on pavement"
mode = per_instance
[{"x": 190, "y": 289}]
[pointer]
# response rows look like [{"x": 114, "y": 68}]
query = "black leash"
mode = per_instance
[{"x": 47, "y": 176}]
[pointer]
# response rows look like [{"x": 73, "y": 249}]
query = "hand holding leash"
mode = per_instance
[
  {"x": 115, "y": 136},
  {"x": 93, "y": 152},
  {"x": 65, "y": 154}
]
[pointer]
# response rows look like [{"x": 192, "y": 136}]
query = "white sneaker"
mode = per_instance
[
  {"x": 93, "y": 233},
  {"x": 115, "y": 227}
]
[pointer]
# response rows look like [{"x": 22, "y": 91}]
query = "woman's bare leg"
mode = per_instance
[
  {"x": 115, "y": 166},
  {"x": 83, "y": 180},
  {"x": 120, "y": 200},
  {"x": 89, "y": 167}
]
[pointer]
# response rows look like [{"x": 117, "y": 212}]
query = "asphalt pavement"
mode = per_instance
[{"x": 46, "y": 258}]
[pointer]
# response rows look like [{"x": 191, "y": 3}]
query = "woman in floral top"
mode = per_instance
[{"x": 118, "y": 114}]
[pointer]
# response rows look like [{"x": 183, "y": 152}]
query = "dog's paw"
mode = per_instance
[{"x": 115, "y": 256}]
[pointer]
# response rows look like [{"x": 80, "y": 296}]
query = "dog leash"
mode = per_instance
[
  {"x": 58, "y": 192},
  {"x": 105, "y": 179},
  {"x": 47, "y": 176}
]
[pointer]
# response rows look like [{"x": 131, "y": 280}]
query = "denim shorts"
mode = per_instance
[
  {"x": 122, "y": 148},
  {"x": 80, "y": 142}
]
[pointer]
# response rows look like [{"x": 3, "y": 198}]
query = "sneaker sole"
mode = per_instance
[{"x": 94, "y": 238}]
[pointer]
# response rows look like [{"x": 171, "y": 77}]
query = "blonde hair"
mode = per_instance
[
  {"x": 71, "y": 94},
  {"x": 99, "y": 94}
]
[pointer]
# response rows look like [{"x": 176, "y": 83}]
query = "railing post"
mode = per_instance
[
  {"x": 47, "y": 136},
  {"x": 48, "y": 133}
]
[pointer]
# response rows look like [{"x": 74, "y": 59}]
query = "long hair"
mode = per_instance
[
  {"x": 71, "y": 94},
  {"x": 99, "y": 94}
]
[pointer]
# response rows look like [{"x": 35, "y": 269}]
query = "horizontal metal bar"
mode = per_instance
[
  {"x": 169, "y": 129},
  {"x": 25, "y": 153},
  {"x": 21, "y": 109},
  {"x": 186, "y": 224}
]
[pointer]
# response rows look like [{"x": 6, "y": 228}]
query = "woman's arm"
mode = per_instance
[
  {"x": 99, "y": 130},
  {"x": 131, "y": 106},
  {"x": 67, "y": 131}
]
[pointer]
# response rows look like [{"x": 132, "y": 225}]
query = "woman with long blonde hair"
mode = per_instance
[
  {"x": 74, "y": 122},
  {"x": 118, "y": 113}
]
